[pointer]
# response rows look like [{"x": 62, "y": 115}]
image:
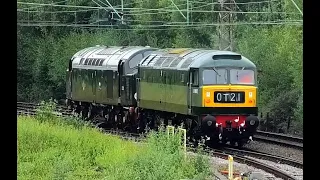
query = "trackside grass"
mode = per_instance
[{"x": 53, "y": 148}]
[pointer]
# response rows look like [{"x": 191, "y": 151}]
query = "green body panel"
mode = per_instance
[
  {"x": 167, "y": 90},
  {"x": 85, "y": 86},
  {"x": 81, "y": 89},
  {"x": 196, "y": 97},
  {"x": 164, "y": 97}
]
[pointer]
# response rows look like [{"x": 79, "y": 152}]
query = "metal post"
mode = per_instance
[
  {"x": 190, "y": 12},
  {"x": 187, "y": 12},
  {"x": 184, "y": 131},
  {"x": 270, "y": 9},
  {"x": 230, "y": 172},
  {"x": 122, "y": 11},
  {"x": 170, "y": 129},
  {"x": 51, "y": 14},
  {"x": 75, "y": 17},
  {"x": 28, "y": 17},
  {"x": 225, "y": 28},
  {"x": 212, "y": 9},
  {"x": 99, "y": 18}
]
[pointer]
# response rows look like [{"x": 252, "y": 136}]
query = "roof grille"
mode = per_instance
[{"x": 226, "y": 56}]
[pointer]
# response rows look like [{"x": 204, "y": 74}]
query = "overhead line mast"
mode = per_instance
[{"x": 225, "y": 29}]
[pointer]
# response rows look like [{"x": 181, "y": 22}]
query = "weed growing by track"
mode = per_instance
[{"x": 55, "y": 148}]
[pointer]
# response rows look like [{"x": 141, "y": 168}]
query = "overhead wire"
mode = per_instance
[
  {"x": 88, "y": 7},
  {"x": 242, "y": 3},
  {"x": 51, "y": 4},
  {"x": 170, "y": 11},
  {"x": 297, "y": 22},
  {"x": 144, "y": 11},
  {"x": 125, "y": 8}
]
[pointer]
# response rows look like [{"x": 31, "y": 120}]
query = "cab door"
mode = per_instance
[
  {"x": 69, "y": 81},
  {"x": 138, "y": 90},
  {"x": 94, "y": 84},
  {"x": 194, "y": 92},
  {"x": 121, "y": 80},
  {"x": 162, "y": 89}
]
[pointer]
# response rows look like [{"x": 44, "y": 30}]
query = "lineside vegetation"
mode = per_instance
[{"x": 54, "y": 148}]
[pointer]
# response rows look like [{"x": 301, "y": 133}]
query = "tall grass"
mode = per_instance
[{"x": 58, "y": 149}]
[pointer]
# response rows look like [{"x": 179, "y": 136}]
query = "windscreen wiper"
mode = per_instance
[{"x": 216, "y": 71}]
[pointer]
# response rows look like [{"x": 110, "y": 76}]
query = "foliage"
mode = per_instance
[
  {"x": 279, "y": 55},
  {"x": 46, "y": 111},
  {"x": 54, "y": 149}
]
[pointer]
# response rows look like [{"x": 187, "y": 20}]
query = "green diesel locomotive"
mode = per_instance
[{"x": 211, "y": 93}]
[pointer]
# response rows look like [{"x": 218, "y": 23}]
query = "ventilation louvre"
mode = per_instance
[
  {"x": 176, "y": 62},
  {"x": 168, "y": 61},
  {"x": 187, "y": 63},
  {"x": 160, "y": 61},
  {"x": 227, "y": 56}
]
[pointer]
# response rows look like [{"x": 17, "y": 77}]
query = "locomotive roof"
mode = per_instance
[
  {"x": 185, "y": 58},
  {"x": 105, "y": 57}
]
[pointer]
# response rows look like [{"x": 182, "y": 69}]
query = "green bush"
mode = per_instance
[
  {"x": 277, "y": 51},
  {"x": 55, "y": 149}
]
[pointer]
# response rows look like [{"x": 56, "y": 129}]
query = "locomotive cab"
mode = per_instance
[{"x": 223, "y": 93}]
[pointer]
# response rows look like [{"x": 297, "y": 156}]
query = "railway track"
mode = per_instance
[
  {"x": 31, "y": 109},
  {"x": 269, "y": 137},
  {"x": 265, "y": 156},
  {"x": 240, "y": 155},
  {"x": 249, "y": 161},
  {"x": 280, "y": 139}
]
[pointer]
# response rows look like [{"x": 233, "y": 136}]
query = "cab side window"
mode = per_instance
[
  {"x": 195, "y": 78},
  {"x": 70, "y": 65},
  {"x": 135, "y": 60}
]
